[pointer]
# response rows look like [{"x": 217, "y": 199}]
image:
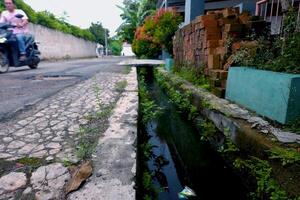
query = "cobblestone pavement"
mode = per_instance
[{"x": 49, "y": 130}]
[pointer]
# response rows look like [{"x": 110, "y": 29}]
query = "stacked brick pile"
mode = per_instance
[{"x": 207, "y": 42}]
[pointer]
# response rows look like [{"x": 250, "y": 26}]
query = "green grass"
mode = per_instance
[
  {"x": 287, "y": 157},
  {"x": 121, "y": 85},
  {"x": 126, "y": 70}
]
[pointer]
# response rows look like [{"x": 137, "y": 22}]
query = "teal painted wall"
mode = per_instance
[{"x": 270, "y": 94}]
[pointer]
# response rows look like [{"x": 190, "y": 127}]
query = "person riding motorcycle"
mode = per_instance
[{"x": 21, "y": 25}]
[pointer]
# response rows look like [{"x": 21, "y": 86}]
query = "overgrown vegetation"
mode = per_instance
[
  {"x": 182, "y": 99},
  {"x": 133, "y": 14},
  {"x": 208, "y": 130},
  {"x": 293, "y": 126},
  {"x": 97, "y": 123},
  {"x": 30, "y": 163},
  {"x": 267, "y": 187},
  {"x": 194, "y": 75},
  {"x": 264, "y": 186},
  {"x": 287, "y": 157},
  {"x": 121, "y": 85},
  {"x": 148, "y": 108},
  {"x": 156, "y": 34},
  {"x": 281, "y": 54},
  {"x": 126, "y": 69}
]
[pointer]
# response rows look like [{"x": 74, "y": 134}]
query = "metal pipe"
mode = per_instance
[
  {"x": 257, "y": 6},
  {"x": 266, "y": 10},
  {"x": 277, "y": 12},
  {"x": 298, "y": 18},
  {"x": 261, "y": 10},
  {"x": 272, "y": 6}
]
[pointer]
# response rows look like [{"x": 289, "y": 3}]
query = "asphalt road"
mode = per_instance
[{"x": 21, "y": 88}]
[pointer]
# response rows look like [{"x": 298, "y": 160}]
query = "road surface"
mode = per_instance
[{"x": 22, "y": 87}]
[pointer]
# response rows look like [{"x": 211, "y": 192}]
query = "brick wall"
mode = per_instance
[{"x": 208, "y": 40}]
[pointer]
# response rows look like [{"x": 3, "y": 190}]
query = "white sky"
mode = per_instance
[{"x": 83, "y": 13}]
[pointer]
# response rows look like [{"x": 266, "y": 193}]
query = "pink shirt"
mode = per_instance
[{"x": 9, "y": 17}]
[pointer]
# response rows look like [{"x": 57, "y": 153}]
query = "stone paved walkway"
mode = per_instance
[{"x": 50, "y": 129}]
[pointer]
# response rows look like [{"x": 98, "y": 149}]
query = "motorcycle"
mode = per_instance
[{"x": 9, "y": 51}]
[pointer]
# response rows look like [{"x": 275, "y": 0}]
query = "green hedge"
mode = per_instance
[{"x": 47, "y": 19}]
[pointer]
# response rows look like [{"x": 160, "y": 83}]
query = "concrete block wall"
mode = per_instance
[{"x": 57, "y": 45}]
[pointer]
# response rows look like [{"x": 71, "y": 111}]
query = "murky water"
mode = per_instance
[{"x": 181, "y": 159}]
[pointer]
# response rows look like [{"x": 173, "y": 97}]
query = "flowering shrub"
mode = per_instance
[{"x": 156, "y": 33}]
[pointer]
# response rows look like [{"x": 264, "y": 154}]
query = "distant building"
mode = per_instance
[
  {"x": 190, "y": 9},
  {"x": 100, "y": 50},
  {"x": 127, "y": 50}
]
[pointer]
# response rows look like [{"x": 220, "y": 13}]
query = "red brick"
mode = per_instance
[
  {"x": 233, "y": 27},
  {"x": 230, "y": 12},
  {"x": 213, "y": 61},
  {"x": 244, "y": 18},
  {"x": 218, "y": 74},
  {"x": 212, "y": 43}
]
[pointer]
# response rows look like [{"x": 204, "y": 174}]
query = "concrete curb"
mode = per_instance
[{"x": 115, "y": 157}]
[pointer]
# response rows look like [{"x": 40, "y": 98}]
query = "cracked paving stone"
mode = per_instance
[
  {"x": 15, "y": 144},
  {"x": 5, "y": 155},
  {"x": 39, "y": 154},
  {"x": 27, "y": 149},
  {"x": 53, "y": 145},
  {"x": 34, "y": 136},
  {"x": 12, "y": 182},
  {"x": 52, "y": 125},
  {"x": 48, "y": 181},
  {"x": 20, "y": 133},
  {"x": 7, "y": 139},
  {"x": 23, "y": 122}
]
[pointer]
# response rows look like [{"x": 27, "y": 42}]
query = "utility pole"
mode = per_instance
[{"x": 106, "y": 49}]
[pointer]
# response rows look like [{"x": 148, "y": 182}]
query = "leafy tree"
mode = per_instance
[
  {"x": 115, "y": 46},
  {"x": 134, "y": 14},
  {"x": 99, "y": 32},
  {"x": 156, "y": 34}
]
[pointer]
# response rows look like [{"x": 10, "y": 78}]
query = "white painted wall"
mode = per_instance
[
  {"x": 57, "y": 45},
  {"x": 127, "y": 50}
]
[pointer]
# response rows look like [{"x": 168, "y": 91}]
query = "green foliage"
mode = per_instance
[
  {"x": 30, "y": 162},
  {"x": 166, "y": 24},
  {"x": 228, "y": 147},
  {"x": 126, "y": 70},
  {"x": 293, "y": 126},
  {"x": 145, "y": 49},
  {"x": 193, "y": 75},
  {"x": 150, "y": 190},
  {"x": 149, "y": 109},
  {"x": 182, "y": 99},
  {"x": 156, "y": 33},
  {"x": 115, "y": 46},
  {"x": 121, "y": 85},
  {"x": 67, "y": 163},
  {"x": 146, "y": 148},
  {"x": 99, "y": 32},
  {"x": 86, "y": 144},
  {"x": 208, "y": 130},
  {"x": 133, "y": 14},
  {"x": 287, "y": 157},
  {"x": 27, "y": 9},
  {"x": 281, "y": 54},
  {"x": 267, "y": 187}
]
